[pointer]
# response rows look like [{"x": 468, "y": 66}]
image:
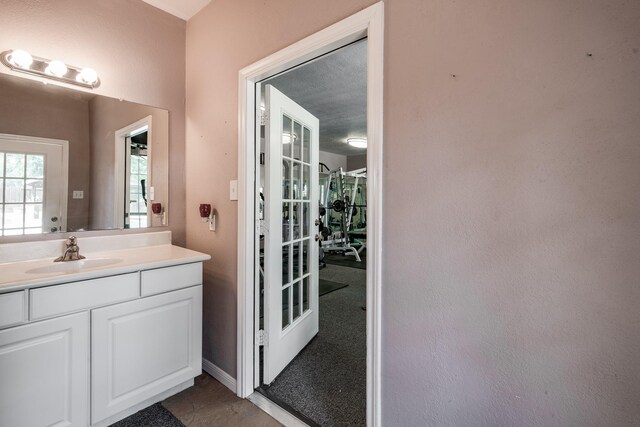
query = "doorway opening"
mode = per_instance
[
  {"x": 368, "y": 24},
  {"x": 312, "y": 245},
  {"x": 132, "y": 149},
  {"x": 135, "y": 215}
]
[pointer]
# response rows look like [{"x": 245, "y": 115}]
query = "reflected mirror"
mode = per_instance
[{"x": 73, "y": 161}]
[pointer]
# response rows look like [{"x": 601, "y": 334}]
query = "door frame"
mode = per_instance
[
  {"x": 367, "y": 23},
  {"x": 120, "y": 167}
]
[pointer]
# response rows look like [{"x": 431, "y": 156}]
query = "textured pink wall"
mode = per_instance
[
  {"x": 224, "y": 37},
  {"x": 511, "y": 210},
  {"x": 511, "y": 276},
  {"x": 108, "y": 115},
  {"x": 137, "y": 50}
]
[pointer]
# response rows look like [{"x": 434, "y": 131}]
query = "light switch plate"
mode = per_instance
[
  {"x": 233, "y": 190},
  {"x": 78, "y": 194}
]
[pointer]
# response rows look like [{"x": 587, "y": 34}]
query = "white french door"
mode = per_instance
[
  {"x": 33, "y": 185},
  {"x": 291, "y": 251}
]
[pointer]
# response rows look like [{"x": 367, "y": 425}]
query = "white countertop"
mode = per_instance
[{"x": 14, "y": 275}]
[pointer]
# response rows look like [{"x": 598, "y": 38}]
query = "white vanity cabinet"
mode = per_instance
[
  {"x": 93, "y": 351},
  {"x": 44, "y": 373},
  {"x": 142, "y": 348}
]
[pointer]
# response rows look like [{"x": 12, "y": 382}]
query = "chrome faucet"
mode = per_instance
[{"x": 72, "y": 252}]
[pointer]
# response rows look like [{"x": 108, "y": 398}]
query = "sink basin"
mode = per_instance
[{"x": 74, "y": 266}]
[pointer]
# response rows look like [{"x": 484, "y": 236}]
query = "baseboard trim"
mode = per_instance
[
  {"x": 220, "y": 375},
  {"x": 282, "y": 416}
]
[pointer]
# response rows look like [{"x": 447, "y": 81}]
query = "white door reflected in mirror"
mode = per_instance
[
  {"x": 32, "y": 195},
  {"x": 132, "y": 146}
]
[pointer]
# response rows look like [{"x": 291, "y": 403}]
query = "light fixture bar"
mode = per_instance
[{"x": 50, "y": 69}]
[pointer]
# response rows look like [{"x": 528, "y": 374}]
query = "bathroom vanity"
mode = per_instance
[{"x": 90, "y": 342}]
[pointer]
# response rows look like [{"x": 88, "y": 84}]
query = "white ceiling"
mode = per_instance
[
  {"x": 334, "y": 89},
  {"x": 183, "y": 9}
]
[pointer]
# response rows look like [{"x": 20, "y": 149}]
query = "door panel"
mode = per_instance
[
  {"x": 33, "y": 185},
  {"x": 44, "y": 371},
  {"x": 144, "y": 347},
  {"x": 291, "y": 255}
]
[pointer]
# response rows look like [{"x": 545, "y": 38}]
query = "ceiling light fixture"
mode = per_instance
[
  {"x": 286, "y": 137},
  {"x": 24, "y": 62},
  {"x": 357, "y": 142}
]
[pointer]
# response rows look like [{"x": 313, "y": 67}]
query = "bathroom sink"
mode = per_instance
[{"x": 74, "y": 266}]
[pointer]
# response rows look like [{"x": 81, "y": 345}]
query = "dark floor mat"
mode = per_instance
[
  {"x": 346, "y": 260},
  {"x": 327, "y": 286},
  {"x": 153, "y": 416}
]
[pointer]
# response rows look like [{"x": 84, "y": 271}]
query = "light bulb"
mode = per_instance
[
  {"x": 88, "y": 76},
  {"x": 357, "y": 142},
  {"x": 20, "y": 58},
  {"x": 57, "y": 68}
]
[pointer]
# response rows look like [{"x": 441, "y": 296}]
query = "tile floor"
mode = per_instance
[{"x": 209, "y": 403}]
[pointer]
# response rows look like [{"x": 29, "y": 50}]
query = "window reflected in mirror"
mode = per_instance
[{"x": 82, "y": 186}]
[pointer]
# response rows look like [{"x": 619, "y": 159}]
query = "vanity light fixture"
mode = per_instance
[
  {"x": 23, "y": 61},
  {"x": 357, "y": 142},
  {"x": 20, "y": 58},
  {"x": 56, "y": 68}
]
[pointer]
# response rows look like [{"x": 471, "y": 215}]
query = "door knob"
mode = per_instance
[
  {"x": 318, "y": 237},
  {"x": 54, "y": 218},
  {"x": 318, "y": 221}
]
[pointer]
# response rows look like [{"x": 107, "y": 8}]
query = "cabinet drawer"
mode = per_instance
[
  {"x": 13, "y": 308},
  {"x": 170, "y": 278},
  {"x": 76, "y": 296}
]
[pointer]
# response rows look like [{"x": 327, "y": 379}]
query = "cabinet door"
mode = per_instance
[
  {"x": 144, "y": 347},
  {"x": 44, "y": 373}
]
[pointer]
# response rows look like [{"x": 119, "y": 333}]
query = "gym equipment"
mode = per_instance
[{"x": 343, "y": 198}]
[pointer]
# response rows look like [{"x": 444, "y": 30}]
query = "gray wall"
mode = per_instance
[
  {"x": 356, "y": 162},
  {"x": 333, "y": 161},
  {"x": 137, "y": 50},
  {"x": 510, "y": 288}
]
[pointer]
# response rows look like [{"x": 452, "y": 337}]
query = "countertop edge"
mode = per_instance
[{"x": 180, "y": 256}]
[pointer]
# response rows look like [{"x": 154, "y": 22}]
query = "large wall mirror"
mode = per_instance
[{"x": 74, "y": 161}]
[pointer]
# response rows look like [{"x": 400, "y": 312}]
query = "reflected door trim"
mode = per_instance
[
  {"x": 54, "y": 215},
  {"x": 121, "y": 167}
]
